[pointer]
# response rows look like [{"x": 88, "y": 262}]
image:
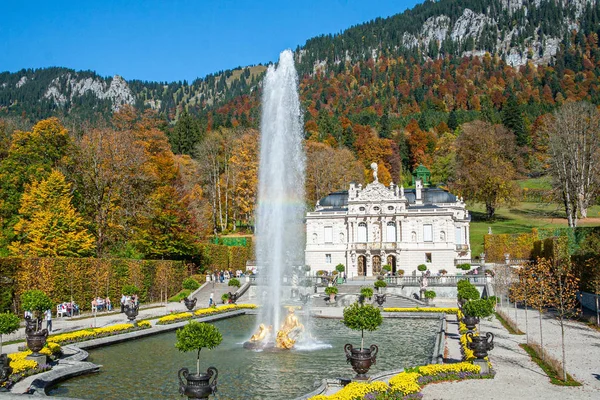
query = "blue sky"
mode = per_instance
[{"x": 169, "y": 40}]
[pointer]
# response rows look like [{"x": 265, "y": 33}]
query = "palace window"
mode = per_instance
[
  {"x": 428, "y": 233},
  {"x": 327, "y": 258},
  {"x": 459, "y": 235},
  {"x": 428, "y": 257},
  {"x": 328, "y": 234},
  {"x": 391, "y": 232},
  {"x": 362, "y": 232}
]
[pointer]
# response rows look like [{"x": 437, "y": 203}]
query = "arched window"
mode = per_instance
[
  {"x": 391, "y": 232},
  {"x": 362, "y": 232}
]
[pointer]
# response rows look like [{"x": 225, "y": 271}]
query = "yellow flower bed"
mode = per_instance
[
  {"x": 355, "y": 390},
  {"x": 144, "y": 324},
  {"x": 21, "y": 364},
  {"x": 448, "y": 310},
  {"x": 404, "y": 383},
  {"x": 167, "y": 319},
  {"x": 226, "y": 307},
  {"x": 174, "y": 317},
  {"x": 86, "y": 334}
]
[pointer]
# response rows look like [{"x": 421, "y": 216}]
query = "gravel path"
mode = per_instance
[{"x": 517, "y": 377}]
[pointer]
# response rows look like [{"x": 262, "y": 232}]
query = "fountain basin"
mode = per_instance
[{"x": 248, "y": 374}]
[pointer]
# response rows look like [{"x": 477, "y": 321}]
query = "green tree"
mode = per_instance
[
  {"x": 196, "y": 336},
  {"x": 164, "y": 230},
  {"x": 9, "y": 323},
  {"x": 484, "y": 171},
  {"x": 512, "y": 119},
  {"x": 32, "y": 155},
  {"x": 185, "y": 134},
  {"x": 361, "y": 317},
  {"x": 49, "y": 225}
]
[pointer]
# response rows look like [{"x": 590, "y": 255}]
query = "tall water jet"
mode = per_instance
[{"x": 280, "y": 236}]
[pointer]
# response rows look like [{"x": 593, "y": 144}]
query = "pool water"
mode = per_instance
[{"x": 147, "y": 368}]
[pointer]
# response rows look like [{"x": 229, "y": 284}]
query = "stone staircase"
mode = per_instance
[{"x": 218, "y": 289}]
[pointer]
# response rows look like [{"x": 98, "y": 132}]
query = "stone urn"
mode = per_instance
[
  {"x": 36, "y": 341},
  {"x": 5, "y": 369},
  {"x": 470, "y": 322},
  {"x": 131, "y": 312},
  {"x": 481, "y": 344},
  {"x": 198, "y": 386},
  {"x": 361, "y": 360},
  {"x": 189, "y": 303},
  {"x": 304, "y": 298},
  {"x": 232, "y": 297},
  {"x": 380, "y": 299}
]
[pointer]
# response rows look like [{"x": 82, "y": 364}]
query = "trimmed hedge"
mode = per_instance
[{"x": 86, "y": 278}]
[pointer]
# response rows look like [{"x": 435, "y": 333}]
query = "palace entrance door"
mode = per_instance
[
  {"x": 391, "y": 260},
  {"x": 362, "y": 265},
  {"x": 376, "y": 265}
]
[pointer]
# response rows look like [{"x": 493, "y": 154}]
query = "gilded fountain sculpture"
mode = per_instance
[{"x": 290, "y": 331}]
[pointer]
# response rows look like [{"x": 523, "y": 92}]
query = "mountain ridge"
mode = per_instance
[{"x": 518, "y": 31}]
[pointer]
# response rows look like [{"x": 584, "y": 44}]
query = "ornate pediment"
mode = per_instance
[{"x": 375, "y": 192}]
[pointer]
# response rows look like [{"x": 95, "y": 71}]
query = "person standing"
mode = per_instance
[
  {"x": 48, "y": 315},
  {"x": 123, "y": 300},
  {"x": 211, "y": 299}
]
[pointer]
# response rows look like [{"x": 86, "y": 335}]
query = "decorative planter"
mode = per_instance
[
  {"x": 332, "y": 298},
  {"x": 481, "y": 344},
  {"x": 189, "y": 303},
  {"x": 36, "y": 341},
  {"x": 361, "y": 360},
  {"x": 380, "y": 299},
  {"x": 304, "y": 298},
  {"x": 131, "y": 312},
  {"x": 198, "y": 386},
  {"x": 232, "y": 297},
  {"x": 470, "y": 322},
  {"x": 5, "y": 369}
]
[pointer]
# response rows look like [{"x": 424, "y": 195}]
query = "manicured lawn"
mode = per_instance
[
  {"x": 536, "y": 183},
  {"x": 521, "y": 218}
]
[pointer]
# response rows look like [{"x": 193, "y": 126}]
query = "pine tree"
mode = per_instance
[
  {"x": 512, "y": 118},
  {"x": 452, "y": 121},
  {"x": 49, "y": 225}
]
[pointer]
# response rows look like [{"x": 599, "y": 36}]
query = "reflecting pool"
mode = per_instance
[{"x": 147, "y": 368}]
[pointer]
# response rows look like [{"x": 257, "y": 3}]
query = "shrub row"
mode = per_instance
[{"x": 82, "y": 279}]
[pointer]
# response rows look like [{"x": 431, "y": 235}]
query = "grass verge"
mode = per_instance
[
  {"x": 513, "y": 330},
  {"x": 552, "y": 373}
]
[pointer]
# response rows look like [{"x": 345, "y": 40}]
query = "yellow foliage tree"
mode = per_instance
[{"x": 49, "y": 225}]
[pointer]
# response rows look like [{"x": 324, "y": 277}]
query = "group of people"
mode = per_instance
[
  {"x": 99, "y": 304},
  {"x": 129, "y": 301},
  {"x": 221, "y": 276}
]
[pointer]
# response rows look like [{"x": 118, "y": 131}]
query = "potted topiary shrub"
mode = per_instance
[
  {"x": 225, "y": 298},
  {"x": 361, "y": 317},
  {"x": 37, "y": 302},
  {"x": 366, "y": 293},
  {"x": 474, "y": 310},
  {"x": 380, "y": 283},
  {"x": 429, "y": 295},
  {"x": 191, "y": 285},
  {"x": 331, "y": 291},
  {"x": 340, "y": 268},
  {"x": 422, "y": 267},
  {"x": 196, "y": 336},
  {"x": 464, "y": 267},
  {"x": 387, "y": 268},
  {"x": 9, "y": 323},
  {"x": 400, "y": 272}
]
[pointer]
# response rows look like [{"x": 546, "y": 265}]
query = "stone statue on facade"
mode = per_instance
[{"x": 374, "y": 168}]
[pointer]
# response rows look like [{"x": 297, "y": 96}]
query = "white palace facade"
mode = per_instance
[{"x": 365, "y": 228}]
